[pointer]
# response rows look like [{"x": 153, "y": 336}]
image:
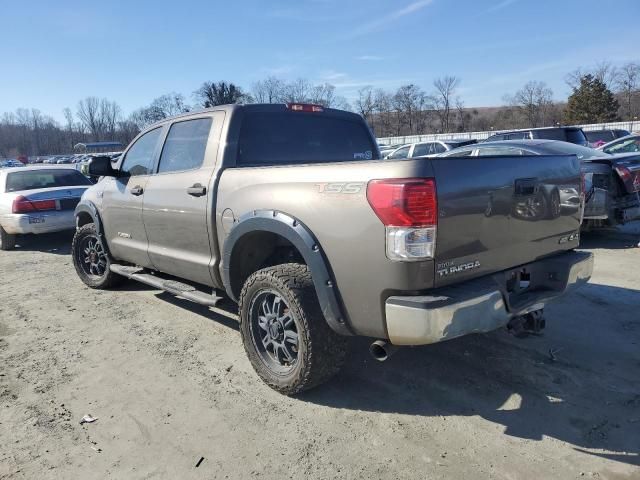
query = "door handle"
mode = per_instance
[
  {"x": 197, "y": 190},
  {"x": 137, "y": 190}
]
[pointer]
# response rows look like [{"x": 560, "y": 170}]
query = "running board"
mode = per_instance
[{"x": 179, "y": 289}]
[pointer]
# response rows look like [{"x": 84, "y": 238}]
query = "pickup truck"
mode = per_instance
[{"x": 288, "y": 211}]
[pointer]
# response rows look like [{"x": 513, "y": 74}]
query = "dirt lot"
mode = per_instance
[{"x": 170, "y": 384}]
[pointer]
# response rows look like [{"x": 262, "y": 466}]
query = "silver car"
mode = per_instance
[{"x": 38, "y": 199}]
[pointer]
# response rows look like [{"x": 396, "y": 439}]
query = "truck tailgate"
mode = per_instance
[{"x": 496, "y": 213}]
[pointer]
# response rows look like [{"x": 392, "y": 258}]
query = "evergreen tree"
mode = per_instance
[{"x": 591, "y": 102}]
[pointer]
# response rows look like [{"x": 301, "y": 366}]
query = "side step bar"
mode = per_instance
[{"x": 179, "y": 289}]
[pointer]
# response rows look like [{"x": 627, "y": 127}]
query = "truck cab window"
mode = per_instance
[
  {"x": 139, "y": 158},
  {"x": 185, "y": 145}
]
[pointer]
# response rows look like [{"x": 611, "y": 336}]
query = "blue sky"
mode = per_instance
[{"x": 55, "y": 53}]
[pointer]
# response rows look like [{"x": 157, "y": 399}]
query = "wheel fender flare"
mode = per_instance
[
  {"x": 301, "y": 238},
  {"x": 89, "y": 208}
]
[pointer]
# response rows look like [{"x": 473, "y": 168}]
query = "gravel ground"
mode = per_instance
[{"x": 170, "y": 385}]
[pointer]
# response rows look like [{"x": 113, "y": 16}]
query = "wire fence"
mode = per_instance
[{"x": 630, "y": 126}]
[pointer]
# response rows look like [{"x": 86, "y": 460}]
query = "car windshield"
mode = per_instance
[
  {"x": 280, "y": 138},
  {"x": 44, "y": 178},
  {"x": 624, "y": 146},
  {"x": 583, "y": 153}
]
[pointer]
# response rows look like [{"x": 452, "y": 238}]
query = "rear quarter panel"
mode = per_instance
[{"x": 330, "y": 200}]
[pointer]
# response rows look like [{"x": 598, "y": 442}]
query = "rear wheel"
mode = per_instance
[
  {"x": 288, "y": 341},
  {"x": 91, "y": 260},
  {"x": 7, "y": 241}
]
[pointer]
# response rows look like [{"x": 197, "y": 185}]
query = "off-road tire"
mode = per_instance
[
  {"x": 7, "y": 241},
  {"x": 321, "y": 351},
  {"x": 103, "y": 282}
]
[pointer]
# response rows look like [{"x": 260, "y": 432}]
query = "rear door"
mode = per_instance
[
  {"x": 500, "y": 212},
  {"x": 178, "y": 208},
  {"x": 122, "y": 201}
]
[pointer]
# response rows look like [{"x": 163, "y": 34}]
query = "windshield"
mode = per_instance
[
  {"x": 624, "y": 146},
  {"x": 281, "y": 138},
  {"x": 44, "y": 178}
]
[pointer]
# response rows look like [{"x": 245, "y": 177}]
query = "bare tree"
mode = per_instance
[
  {"x": 297, "y": 91},
  {"x": 628, "y": 85},
  {"x": 463, "y": 116},
  {"x": 110, "y": 114},
  {"x": 607, "y": 73},
  {"x": 269, "y": 90},
  {"x": 441, "y": 100},
  {"x": 383, "y": 109},
  {"x": 365, "y": 105},
  {"x": 160, "y": 108},
  {"x": 604, "y": 71},
  {"x": 534, "y": 102},
  {"x": 89, "y": 114}
]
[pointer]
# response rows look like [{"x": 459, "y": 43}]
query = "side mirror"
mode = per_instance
[{"x": 101, "y": 167}]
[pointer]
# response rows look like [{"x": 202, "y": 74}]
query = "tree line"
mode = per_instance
[{"x": 602, "y": 94}]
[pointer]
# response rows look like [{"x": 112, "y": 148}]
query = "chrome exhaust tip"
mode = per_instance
[{"x": 382, "y": 350}]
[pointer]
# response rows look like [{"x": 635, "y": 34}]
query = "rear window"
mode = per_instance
[
  {"x": 44, "y": 178},
  {"x": 571, "y": 135},
  {"x": 600, "y": 136},
  {"x": 281, "y": 138}
]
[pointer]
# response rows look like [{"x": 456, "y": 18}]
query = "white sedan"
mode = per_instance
[{"x": 38, "y": 199}]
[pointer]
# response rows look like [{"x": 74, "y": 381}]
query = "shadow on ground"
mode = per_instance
[
  {"x": 584, "y": 390},
  {"x": 57, "y": 243},
  {"x": 610, "y": 239}
]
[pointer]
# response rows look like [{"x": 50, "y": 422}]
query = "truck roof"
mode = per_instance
[{"x": 257, "y": 107}]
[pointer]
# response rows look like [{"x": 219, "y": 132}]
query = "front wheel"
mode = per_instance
[
  {"x": 286, "y": 337},
  {"x": 91, "y": 260}
]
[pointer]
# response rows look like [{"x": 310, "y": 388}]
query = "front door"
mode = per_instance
[
  {"x": 123, "y": 197},
  {"x": 178, "y": 202}
]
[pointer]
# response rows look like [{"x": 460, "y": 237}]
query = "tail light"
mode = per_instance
[
  {"x": 631, "y": 181},
  {"x": 24, "y": 205},
  {"x": 408, "y": 208},
  {"x": 305, "y": 107}
]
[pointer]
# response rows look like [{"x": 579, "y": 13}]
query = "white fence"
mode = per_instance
[{"x": 630, "y": 126}]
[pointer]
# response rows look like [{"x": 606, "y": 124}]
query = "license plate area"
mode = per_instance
[{"x": 33, "y": 220}]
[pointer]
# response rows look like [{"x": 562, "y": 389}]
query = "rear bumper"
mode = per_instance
[
  {"x": 485, "y": 304},
  {"x": 45, "y": 222}
]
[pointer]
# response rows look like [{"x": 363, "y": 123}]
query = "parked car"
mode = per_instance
[
  {"x": 38, "y": 199},
  {"x": 287, "y": 210},
  {"x": 424, "y": 149},
  {"x": 597, "y": 138},
  {"x": 612, "y": 181},
  {"x": 564, "y": 134},
  {"x": 628, "y": 144},
  {"x": 387, "y": 149},
  {"x": 10, "y": 163}
]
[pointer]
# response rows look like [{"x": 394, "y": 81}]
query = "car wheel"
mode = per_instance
[
  {"x": 91, "y": 260},
  {"x": 286, "y": 337},
  {"x": 7, "y": 241}
]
